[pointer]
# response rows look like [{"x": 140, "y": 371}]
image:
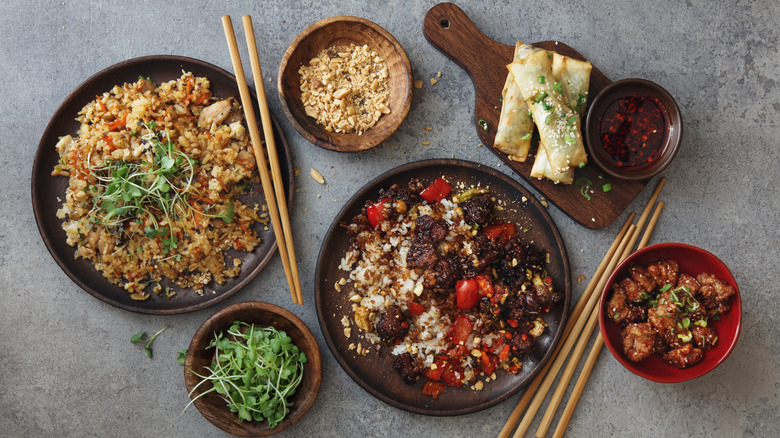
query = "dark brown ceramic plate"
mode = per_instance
[
  {"x": 211, "y": 406},
  {"x": 374, "y": 371},
  {"x": 47, "y": 190}
]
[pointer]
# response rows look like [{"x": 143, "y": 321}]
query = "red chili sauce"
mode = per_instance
[{"x": 633, "y": 130}]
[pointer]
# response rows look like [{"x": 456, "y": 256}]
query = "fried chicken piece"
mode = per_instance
[
  {"x": 684, "y": 356},
  {"x": 714, "y": 294},
  {"x": 619, "y": 310},
  {"x": 632, "y": 289},
  {"x": 638, "y": 341},
  {"x": 704, "y": 337},
  {"x": 664, "y": 272},
  {"x": 688, "y": 282},
  {"x": 664, "y": 317},
  {"x": 641, "y": 276}
]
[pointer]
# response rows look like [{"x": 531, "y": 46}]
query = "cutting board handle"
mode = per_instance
[{"x": 450, "y": 30}]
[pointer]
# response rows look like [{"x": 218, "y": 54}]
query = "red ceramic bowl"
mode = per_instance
[{"x": 693, "y": 261}]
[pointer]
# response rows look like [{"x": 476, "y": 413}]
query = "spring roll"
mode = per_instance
[
  {"x": 575, "y": 78},
  {"x": 513, "y": 134},
  {"x": 559, "y": 125},
  {"x": 542, "y": 169}
]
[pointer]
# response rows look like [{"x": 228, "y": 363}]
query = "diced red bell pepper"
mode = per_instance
[
  {"x": 457, "y": 352},
  {"x": 375, "y": 212},
  {"x": 488, "y": 362},
  {"x": 415, "y": 308},
  {"x": 453, "y": 374},
  {"x": 504, "y": 353},
  {"x": 460, "y": 330},
  {"x": 501, "y": 231},
  {"x": 434, "y": 374},
  {"x": 466, "y": 293},
  {"x": 485, "y": 285},
  {"x": 433, "y": 388},
  {"x": 437, "y": 191}
]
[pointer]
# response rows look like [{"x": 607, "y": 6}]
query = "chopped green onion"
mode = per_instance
[
  {"x": 686, "y": 322},
  {"x": 546, "y": 106},
  {"x": 541, "y": 79},
  {"x": 549, "y": 56},
  {"x": 540, "y": 97},
  {"x": 483, "y": 124},
  {"x": 701, "y": 323},
  {"x": 529, "y": 113},
  {"x": 586, "y": 184},
  {"x": 548, "y": 119},
  {"x": 666, "y": 287},
  {"x": 500, "y": 98},
  {"x": 527, "y": 136},
  {"x": 571, "y": 120},
  {"x": 581, "y": 165},
  {"x": 606, "y": 187},
  {"x": 557, "y": 86}
]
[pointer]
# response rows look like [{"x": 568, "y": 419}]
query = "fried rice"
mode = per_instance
[{"x": 155, "y": 174}]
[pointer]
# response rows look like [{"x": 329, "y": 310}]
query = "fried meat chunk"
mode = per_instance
[
  {"x": 714, "y": 294},
  {"x": 684, "y": 356},
  {"x": 392, "y": 324},
  {"x": 664, "y": 272},
  {"x": 704, "y": 337},
  {"x": 664, "y": 318},
  {"x": 620, "y": 311},
  {"x": 639, "y": 341}
]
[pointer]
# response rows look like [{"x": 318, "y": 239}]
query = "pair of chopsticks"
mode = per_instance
[
  {"x": 274, "y": 192},
  {"x": 581, "y": 323}
]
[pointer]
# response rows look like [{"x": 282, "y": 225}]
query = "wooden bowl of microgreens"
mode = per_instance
[{"x": 253, "y": 369}]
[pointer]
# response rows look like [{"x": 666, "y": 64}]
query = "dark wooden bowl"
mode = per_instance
[
  {"x": 671, "y": 142},
  {"x": 211, "y": 406},
  {"x": 48, "y": 191},
  {"x": 374, "y": 372},
  {"x": 339, "y": 31}
]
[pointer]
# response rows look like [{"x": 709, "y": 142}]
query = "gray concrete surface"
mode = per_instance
[{"x": 67, "y": 368}]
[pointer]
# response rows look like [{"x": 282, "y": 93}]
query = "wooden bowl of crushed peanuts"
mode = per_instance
[{"x": 345, "y": 84}]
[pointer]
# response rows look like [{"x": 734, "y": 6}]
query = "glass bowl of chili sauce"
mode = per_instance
[{"x": 633, "y": 129}]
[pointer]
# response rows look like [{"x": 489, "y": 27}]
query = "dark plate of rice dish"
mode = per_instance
[
  {"x": 442, "y": 287},
  {"x": 145, "y": 187}
]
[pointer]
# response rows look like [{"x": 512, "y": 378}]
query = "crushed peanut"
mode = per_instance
[
  {"x": 418, "y": 84},
  {"x": 346, "y": 88},
  {"x": 316, "y": 176},
  {"x": 433, "y": 81}
]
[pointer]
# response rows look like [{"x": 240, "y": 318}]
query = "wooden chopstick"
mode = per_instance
[
  {"x": 529, "y": 392},
  {"x": 270, "y": 142},
  {"x": 596, "y": 349},
  {"x": 262, "y": 165},
  {"x": 576, "y": 355}
]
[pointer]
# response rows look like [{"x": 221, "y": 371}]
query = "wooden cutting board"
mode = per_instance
[{"x": 448, "y": 29}]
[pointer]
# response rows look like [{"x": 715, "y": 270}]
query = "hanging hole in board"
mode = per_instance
[{"x": 445, "y": 23}]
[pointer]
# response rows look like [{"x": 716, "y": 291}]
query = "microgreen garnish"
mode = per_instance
[
  {"x": 255, "y": 370},
  {"x": 147, "y": 342},
  {"x": 182, "y": 356}
]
